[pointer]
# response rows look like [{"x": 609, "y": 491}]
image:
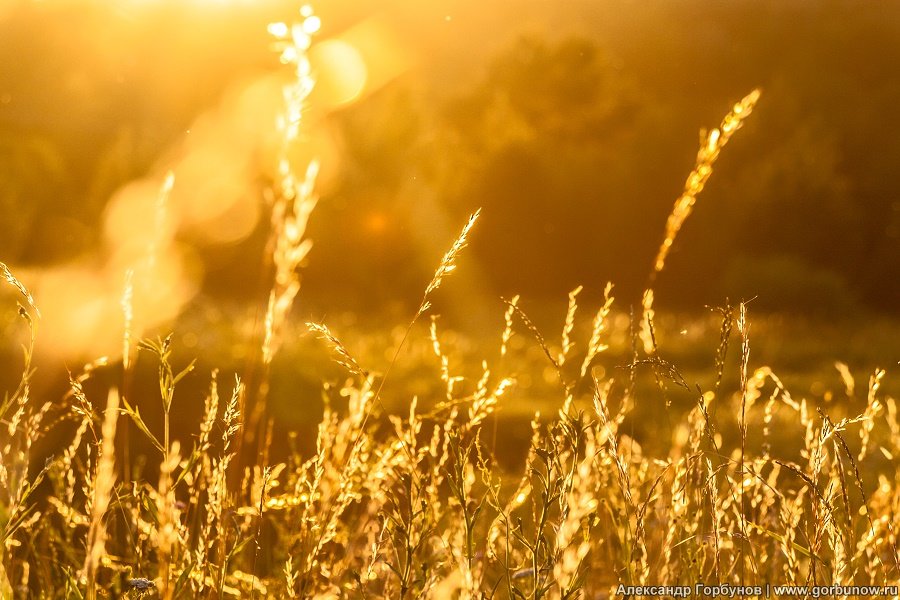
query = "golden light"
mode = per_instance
[
  {"x": 215, "y": 198},
  {"x": 78, "y": 307},
  {"x": 215, "y": 165},
  {"x": 387, "y": 57},
  {"x": 376, "y": 223},
  {"x": 301, "y": 40},
  {"x": 160, "y": 291},
  {"x": 278, "y": 30},
  {"x": 131, "y": 214},
  {"x": 341, "y": 72},
  {"x": 7, "y": 7},
  {"x": 311, "y": 24},
  {"x": 212, "y": 179},
  {"x": 234, "y": 224}
]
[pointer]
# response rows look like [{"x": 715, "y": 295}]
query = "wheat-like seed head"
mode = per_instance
[
  {"x": 599, "y": 326},
  {"x": 508, "y": 328},
  {"x": 345, "y": 359},
  {"x": 874, "y": 407},
  {"x": 293, "y": 198},
  {"x": 11, "y": 279},
  {"x": 448, "y": 262},
  {"x": 707, "y": 155},
  {"x": 566, "y": 344},
  {"x": 710, "y": 147}
]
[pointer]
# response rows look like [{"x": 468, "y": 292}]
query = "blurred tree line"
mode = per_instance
[
  {"x": 575, "y": 141},
  {"x": 577, "y": 147}
]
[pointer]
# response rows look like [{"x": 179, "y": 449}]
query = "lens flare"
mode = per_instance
[
  {"x": 341, "y": 72},
  {"x": 130, "y": 215},
  {"x": 311, "y": 25}
]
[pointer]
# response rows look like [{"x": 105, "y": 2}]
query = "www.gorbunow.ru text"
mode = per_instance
[{"x": 725, "y": 590}]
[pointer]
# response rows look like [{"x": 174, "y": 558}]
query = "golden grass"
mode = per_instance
[
  {"x": 416, "y": 505},
  {"x": 711, "y": 145},
  {"x": 101, "y": 485}
]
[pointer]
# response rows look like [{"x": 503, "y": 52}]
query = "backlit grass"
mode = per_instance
[{"x": 652, "y": 455}]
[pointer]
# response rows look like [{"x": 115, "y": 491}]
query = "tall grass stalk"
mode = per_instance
[
  {"x": 103, "y": 481},
  {"x": 711, "y": 146}
]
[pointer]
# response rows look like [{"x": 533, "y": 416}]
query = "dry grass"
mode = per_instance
[
  {"x": 415, "y": 505},
  {"x": 711, "y": 145}
]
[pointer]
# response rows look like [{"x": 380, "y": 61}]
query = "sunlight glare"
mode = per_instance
[
  {"x": 312, "y": 24},
  {"x": 202, "y": 198},
  {"x": 76, "y": 303},
  {"x": 7, "y": 7},
  {"x": 300, "y": 37},
  {"x": 234, "y": 224},
  {"x": 128, "y": 213},
  {"x": 160, "y": 291},
  {"x": 278, "y": 30},
  {"x": 386, "y": 56},
  {"x": 341, "y": 72}
]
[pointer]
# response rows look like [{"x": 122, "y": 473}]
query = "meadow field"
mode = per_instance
[{"x": 158, "y": 441}]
